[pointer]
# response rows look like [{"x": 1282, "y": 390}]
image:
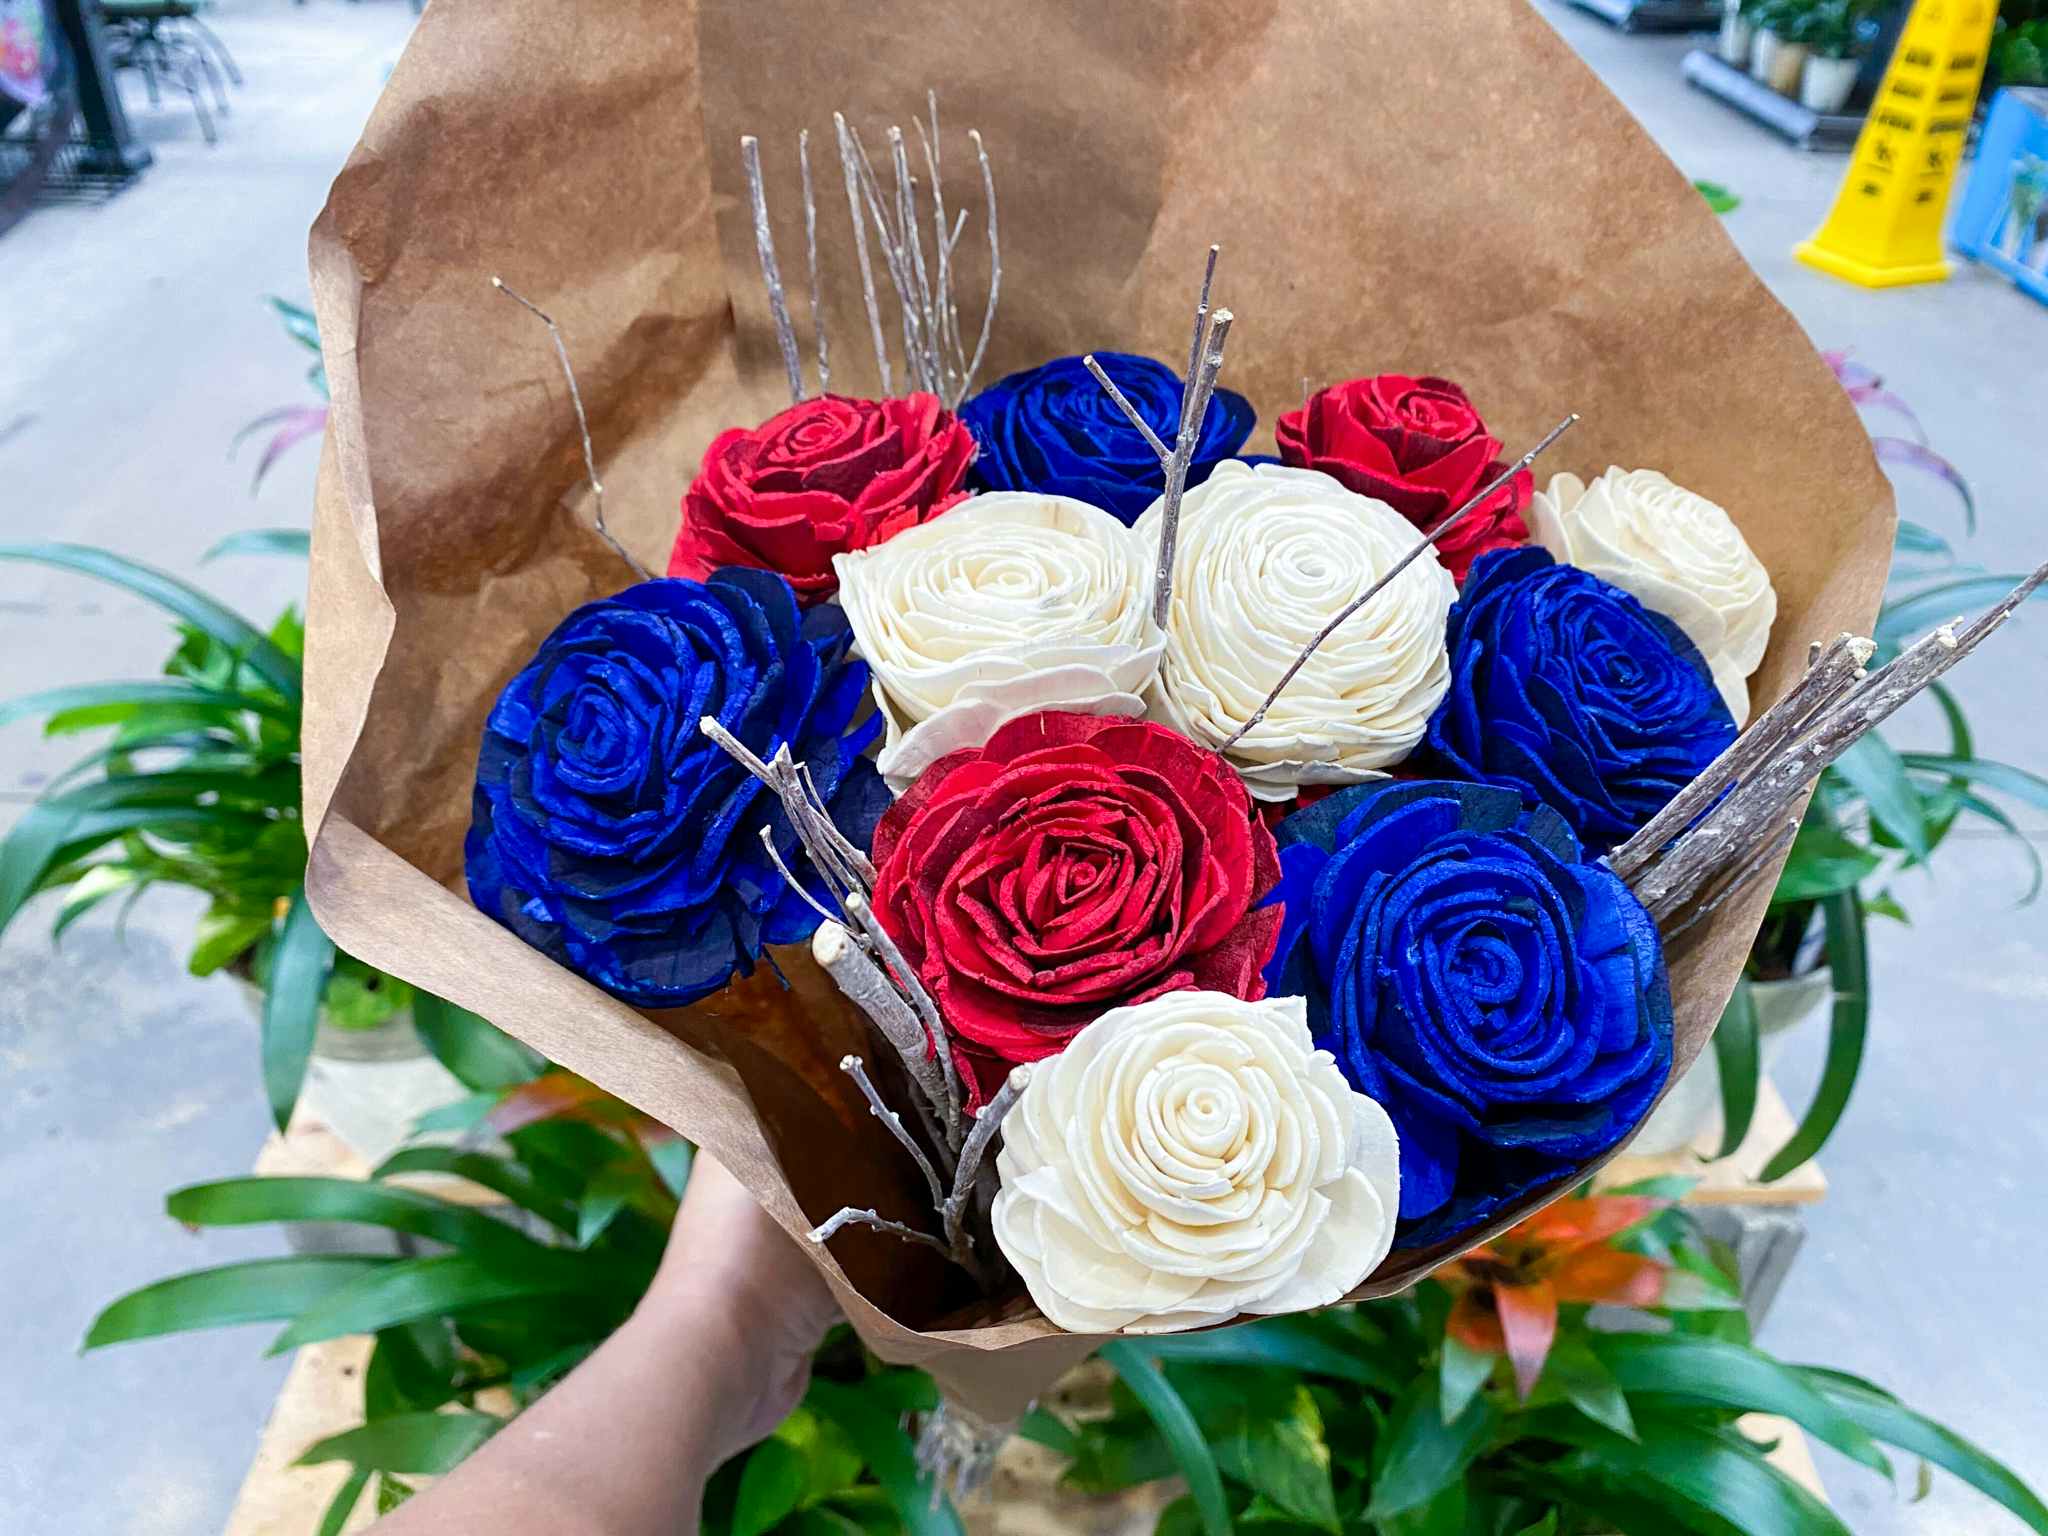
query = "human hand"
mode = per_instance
[{"x": 748, "y": 1300}]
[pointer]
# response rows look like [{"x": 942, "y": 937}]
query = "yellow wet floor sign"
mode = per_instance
[{"x": 1885, "y": 227}]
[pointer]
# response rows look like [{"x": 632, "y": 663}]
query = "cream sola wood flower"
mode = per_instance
[
  {"x": 1009, "y": 604},
  {"x": 1267, "y": 556},
  {"x": 1188, "y": 1159},
  {"x": 1680, "y": 554}
]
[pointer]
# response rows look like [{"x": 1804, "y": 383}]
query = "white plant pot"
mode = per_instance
[
  {"x": 1825, "y": 84},
  {"x": 1738, "y": 38},
  {"x": 1690, "y": 1116},
  {"x": 1777, "y": 63},
  {"x": 369, "y": 1086}
]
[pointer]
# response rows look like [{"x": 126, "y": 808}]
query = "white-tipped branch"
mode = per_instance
[
  {"x": 868, "y": 988},
  {"x": 846, "y": 1217},
  {"x": 1414, "y": 553},
  {"x": 582, "y": 426}
]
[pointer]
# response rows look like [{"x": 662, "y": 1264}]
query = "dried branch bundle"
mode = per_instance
[
  {"x": 1719, "y": 833},
  {"x": 935, "y": 352},
  {"x": 869, "y": 968}
]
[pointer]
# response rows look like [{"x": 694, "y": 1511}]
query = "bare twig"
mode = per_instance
[
  {"x": 1832, "y": 672},
  {"x": 862, "y": 917},
  {"x": 844, "y": 867},
  {"x": 1397, "y": 568},
  {"x": 995, "y": 267},
  {"x": 1195, "y": 396},
  {"x": 986, "y": 1124},
  {"x": 856, "y": 1069},
  {"x": 803, "y": 158},
  {"x": 851, "y": 172},
  {"x": 582, "y": 426},
  {"x": 1201, "y": 328},
  {"x": 1745, "y": 874},
  {"x": 771, "y": 274},
  {"x": 1130, "y": 411},
  {"x": 1727, "y": 834},
  {"x": 857, "y": 863},
  {"x": 887, "y": 1007},
  {"x": 768, "y": 842},
  {"x": 833, "y": 1225}
]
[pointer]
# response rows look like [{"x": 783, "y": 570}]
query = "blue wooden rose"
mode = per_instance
[
  {"x": 611, "y": 834},
  {"x": 1568, "y": 691},
  {"x": 1053, "y": 429},
  {"x": 1503, "y": 997}
]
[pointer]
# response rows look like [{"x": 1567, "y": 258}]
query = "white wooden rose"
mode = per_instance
[
  {"x": 1268, "y": 555},
  {"x": 1188, "y": 1159},
  {"x": 1679, "y": 553},
  {"x": 1010, "y": 603}
]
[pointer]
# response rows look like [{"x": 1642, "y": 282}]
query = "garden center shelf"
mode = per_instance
[
  {"x": 1655, "y": 15},
  {"x": 1781, "y": 114}
]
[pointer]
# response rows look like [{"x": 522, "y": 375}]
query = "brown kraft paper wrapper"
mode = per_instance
[{"x": 1435, "y": 188}]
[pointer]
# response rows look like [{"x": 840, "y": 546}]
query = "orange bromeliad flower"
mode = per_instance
[{"x": 1508, "y": 1291}]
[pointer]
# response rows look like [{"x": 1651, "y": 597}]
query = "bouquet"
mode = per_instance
[{"x": 1086, "y": 875}]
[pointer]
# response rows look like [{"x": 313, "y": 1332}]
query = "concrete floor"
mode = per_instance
[{"x": 146, "y": 345}]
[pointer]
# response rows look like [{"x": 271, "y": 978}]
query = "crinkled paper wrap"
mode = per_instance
[{"x": 1383, "y": 202}]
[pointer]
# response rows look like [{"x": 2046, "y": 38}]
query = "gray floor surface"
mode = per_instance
[{"x": 133, "y": 343}]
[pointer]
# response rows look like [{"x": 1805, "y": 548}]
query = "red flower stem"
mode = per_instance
[
  {"x": 582, "y": 426},
  {"x": 1442, "y": 528},
  {"x": 771, "y": 273}
]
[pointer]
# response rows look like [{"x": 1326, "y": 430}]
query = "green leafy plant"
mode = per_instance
[
  {"x": 480, "y": 1309},
  {"x": 1408, "y": 1417},
  {"x": 290, "y": 424},
  {"x": 195, "y": 784},
  {"x": 1834, "y": 29},
  {"x": 1877, "y": 812}
]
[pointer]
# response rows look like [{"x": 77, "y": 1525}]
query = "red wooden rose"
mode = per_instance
[
  {"x": 1071, "y": 865},
  {"x": 1419, "y": 446},
  {"x": 827, "y": 475}
]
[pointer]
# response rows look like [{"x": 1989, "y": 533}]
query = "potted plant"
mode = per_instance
[
  {"x": 196, "y": 784},
  {"x": 1878, "y": 811},
  {"x": 1738, "y": 32},
  {"x": 1778, "y": 55},
  {"x": 1486, "y": 1400},
  {"x": 1485, "y": 1393},
  {"x": 1834, "y": 34}
]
